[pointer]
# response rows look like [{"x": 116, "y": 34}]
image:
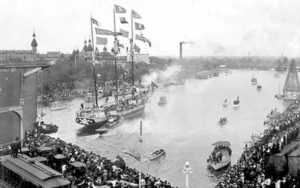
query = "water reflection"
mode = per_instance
[{"x": 186, "y": 126}]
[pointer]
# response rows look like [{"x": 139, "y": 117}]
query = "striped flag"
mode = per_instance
[
  {"x": 103, "y": 32},
  {"x": 101, "y": 41},
  {"x": 139, "y": 26},
  {"x": 142, "y": 38},
  {"x": 135, "y": 15},
  {"x": 120, "y": 9},
  {"x": 94, "y": 21},
  {"x": 136, "y": 48},
  {"x": 124, "y": 33},
  {"x": 133, "y": 154}
]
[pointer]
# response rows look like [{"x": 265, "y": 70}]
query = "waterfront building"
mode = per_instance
[{"x": 18, "y": 90}]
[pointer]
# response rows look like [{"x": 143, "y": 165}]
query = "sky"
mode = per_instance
[{"x": 215, "y": 27}]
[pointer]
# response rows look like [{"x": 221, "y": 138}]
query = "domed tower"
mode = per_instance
[
  {"x": 90, "y": 48},
  {"x": 34, "y": 44},
  {"x": 85, "y": 46}
]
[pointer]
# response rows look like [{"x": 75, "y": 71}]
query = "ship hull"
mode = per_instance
[{"x": 132, "y": 113}]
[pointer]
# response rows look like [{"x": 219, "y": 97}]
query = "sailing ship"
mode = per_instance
[{"x": 126, "y": 107}]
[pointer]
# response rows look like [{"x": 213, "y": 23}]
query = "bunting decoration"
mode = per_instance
[
  {"x": 101, "y": 41},
  {"x": 142, "y": 38},
  {"x": 123, "y": 20},
  {"x": 124, "y": 33},
  {"x": 139, "y": 26},
  {"x": 94, "y": 21},
  {"x": 119, "y": 9},
  {"x": 135, "y": 15}
]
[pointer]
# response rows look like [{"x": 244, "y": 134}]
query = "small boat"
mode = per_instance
[
  {"x": 162, "y": 101},
  {"x": 223, "y": 121},
  {"x": 279, "y": 96},
  {"x": 236, "y": 103},
  {"x": 46, "y": 128},
  {"x": 156, "y": 154},
  {"x": 258, "y": 87},
  {"x": 57, "y": 106},
  {"x": 253, "y": 80},
  {"x": 113, "y": 120},
  {"x": 220, "y": 156},
  {"x": 225, "y": 103}
]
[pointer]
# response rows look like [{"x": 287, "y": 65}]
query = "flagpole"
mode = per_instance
[
  {"x": 94, "y": 66},
  {"x": 132, "y": 53},
  {"x": 115, "y": 49}
]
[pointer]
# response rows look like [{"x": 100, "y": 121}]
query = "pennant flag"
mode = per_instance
[
  {"x": 135, "y": 15},
  {"x": 101, "y": 41},
  {"x": 119, "y": 9},
  {"x": 139, "y": 26},
  {"x": 95, "y": 22},
  {"x": 124, "y": 33},
  {"x": 134, "y": 154},
  {"x": 136, "y": 48},
  {"x": 103, "y": 32},
  {"x": 142, "y": 38},
  {"x": 123, "y": 20}
]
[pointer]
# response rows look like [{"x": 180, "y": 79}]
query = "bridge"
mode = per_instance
[{"x": 18, "y": 109}]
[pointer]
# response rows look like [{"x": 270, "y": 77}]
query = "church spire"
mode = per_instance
[{"x": 34, "y": 43}]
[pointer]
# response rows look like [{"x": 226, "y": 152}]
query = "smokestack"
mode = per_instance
[{"x": 180, "y": 50}]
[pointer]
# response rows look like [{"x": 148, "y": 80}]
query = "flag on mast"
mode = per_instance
[
  {"x": 135, "y": 15},
  {"x": 139, "y": 26},
  {"x": 133, "y": 154},
  {"x": 136, "y": 48},
  {"x": 124, "y": 33},
  {"x": 94, "y": 21},
  {"x": 142, "y": 38},
  {"x": 120, "y": 9},
  {"x": 104, "y": 32}
]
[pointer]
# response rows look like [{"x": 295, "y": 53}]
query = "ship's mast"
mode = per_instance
[
  {"x": 93, "y": 62},
  {"x": 115, "y": 53},
  {"x": 131, "y": 50}
]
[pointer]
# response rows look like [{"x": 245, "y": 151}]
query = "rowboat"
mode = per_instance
[
  {"x": 220, "y": 156},
  {"x": 156, "y": 154}
]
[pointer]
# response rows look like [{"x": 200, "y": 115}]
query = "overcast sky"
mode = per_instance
[{"x": 216, "y": 27}]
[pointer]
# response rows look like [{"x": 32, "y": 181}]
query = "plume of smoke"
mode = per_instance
[{"x": 160, "y": 76}]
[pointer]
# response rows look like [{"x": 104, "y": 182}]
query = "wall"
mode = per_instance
[{"x": 10, "y": 91}]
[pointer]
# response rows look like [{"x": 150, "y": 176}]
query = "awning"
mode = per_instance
[
  {"x": 78, "y": 164},
  {"x": 221, "y": 143},
  {"x": 60, "y": 156}
]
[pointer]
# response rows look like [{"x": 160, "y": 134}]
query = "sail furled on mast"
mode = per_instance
[{"x": 291, "y": 84}]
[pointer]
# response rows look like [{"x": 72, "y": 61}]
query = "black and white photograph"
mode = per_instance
[{"x": 149, "y": 94}]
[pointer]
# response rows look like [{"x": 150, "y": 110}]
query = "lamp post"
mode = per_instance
[{"x": 187, "y": 170}]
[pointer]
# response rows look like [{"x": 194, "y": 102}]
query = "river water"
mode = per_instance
[{"x": 186, "y": 127}]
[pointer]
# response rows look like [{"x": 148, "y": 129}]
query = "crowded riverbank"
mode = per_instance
[{"x": 253, "y": 169}]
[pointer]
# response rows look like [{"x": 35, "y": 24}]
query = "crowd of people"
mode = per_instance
[
  {"x": 97, "y": 170},
  {"x": 253, "y": 169}
]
